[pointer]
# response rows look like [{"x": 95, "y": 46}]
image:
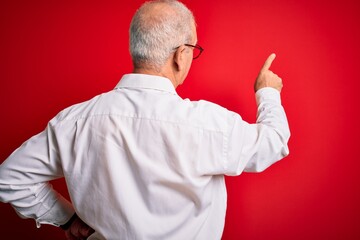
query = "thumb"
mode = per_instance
[{"x": 268, "y": 62}]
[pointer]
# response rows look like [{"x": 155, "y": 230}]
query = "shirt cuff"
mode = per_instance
[
  {"x": 267, "y": 94},
  {"x": 59, "y": 214}
]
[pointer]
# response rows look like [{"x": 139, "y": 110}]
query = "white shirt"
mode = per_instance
[{"x": 142, "y": 163}]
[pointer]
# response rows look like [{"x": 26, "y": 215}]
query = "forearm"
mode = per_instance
[
  {"x": 269, "y": 136},
  {"x": 38, "y": 201},
  {"x": 24, "y": 178},
  {"x": 271, "y": 113},
  {"x": 255, "y": 147}
]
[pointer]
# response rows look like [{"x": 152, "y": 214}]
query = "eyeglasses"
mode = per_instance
[{"x": 197, "y": 50}]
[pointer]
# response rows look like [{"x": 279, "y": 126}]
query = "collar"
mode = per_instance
[{"x": 145, "y": 81}]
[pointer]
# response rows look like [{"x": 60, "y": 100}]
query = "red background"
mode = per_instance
[{"x": 57, "y": 53}]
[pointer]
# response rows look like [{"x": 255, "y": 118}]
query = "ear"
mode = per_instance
[{"x": 179, "y": 58}]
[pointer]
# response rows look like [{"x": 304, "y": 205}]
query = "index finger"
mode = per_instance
[{"x": 268, "y": 62}]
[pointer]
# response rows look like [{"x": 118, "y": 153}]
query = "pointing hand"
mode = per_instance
[{"x": 267, "y": 78}]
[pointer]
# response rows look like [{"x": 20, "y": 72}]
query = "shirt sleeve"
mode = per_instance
[
  {"x": 255, "y": 147},
  {"x": 24, "y": 181}
]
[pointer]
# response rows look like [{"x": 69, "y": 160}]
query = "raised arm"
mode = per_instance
[{"x": 255, "y": 147}]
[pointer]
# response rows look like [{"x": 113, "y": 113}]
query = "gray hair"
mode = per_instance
[{"x": 153, "y": 37}]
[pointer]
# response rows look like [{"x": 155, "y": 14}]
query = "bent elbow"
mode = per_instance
[{"x": 270, "y": 153}]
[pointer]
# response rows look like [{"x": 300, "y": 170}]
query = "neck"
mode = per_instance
[{"x": 161, "y": 73}]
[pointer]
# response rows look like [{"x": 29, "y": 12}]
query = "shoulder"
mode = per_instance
[{"x": 81, "y": 110}]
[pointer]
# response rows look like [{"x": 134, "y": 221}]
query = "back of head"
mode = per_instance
[{"x": 157, "y": 28}]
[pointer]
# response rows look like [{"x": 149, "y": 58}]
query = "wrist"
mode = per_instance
[{"x": 67, "y": 225}]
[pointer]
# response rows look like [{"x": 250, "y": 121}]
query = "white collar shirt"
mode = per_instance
[{"x": 140, "y": 162}]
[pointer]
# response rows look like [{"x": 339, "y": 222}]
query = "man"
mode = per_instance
[{"x": 139, "y": 161}]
